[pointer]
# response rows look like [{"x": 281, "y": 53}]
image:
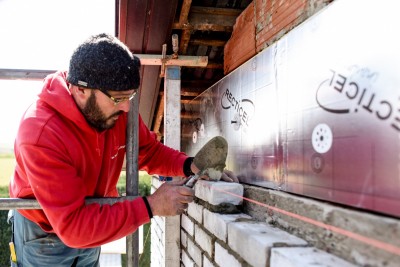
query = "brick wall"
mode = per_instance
[
  {"x": 215, "y": 233},
  {"x": 262, "y": 23},
  {"x": 241, "y": 45}
]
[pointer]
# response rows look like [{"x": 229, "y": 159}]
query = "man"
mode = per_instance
[{"x": 71, "y": 145}]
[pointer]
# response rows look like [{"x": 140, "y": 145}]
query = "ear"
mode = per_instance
[{"x": 80, "y": 94}]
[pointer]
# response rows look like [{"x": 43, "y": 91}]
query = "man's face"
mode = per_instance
[{"x": 95, "y": 116}]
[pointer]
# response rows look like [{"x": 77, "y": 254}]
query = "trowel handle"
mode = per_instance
[{"x": 192, "y": 180}]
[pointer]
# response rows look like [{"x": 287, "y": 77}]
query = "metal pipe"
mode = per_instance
[
  {"x": 132, "y": 175},
  {"x": 33, "y": 204}
]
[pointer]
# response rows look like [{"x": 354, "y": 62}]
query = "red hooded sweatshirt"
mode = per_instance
[{"x": 61, "y": 160}]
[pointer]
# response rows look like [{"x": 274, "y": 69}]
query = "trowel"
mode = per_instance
[{"x": 210, "y": 160}]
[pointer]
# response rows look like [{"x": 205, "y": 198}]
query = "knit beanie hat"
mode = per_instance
[{"x": 103, "y": 62}]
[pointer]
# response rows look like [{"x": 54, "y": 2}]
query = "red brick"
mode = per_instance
[
  {"x": 242, "y": 44},
  {"x": 283, "y": 18}
]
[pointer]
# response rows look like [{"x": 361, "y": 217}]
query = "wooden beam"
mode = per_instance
[
  {"x": 159, "y": 118},
  {"x": 185, "y": 93},
  {"x": 187, "y": 116},
  {"x": 215, "y": 65},
  {"x": 212, "y": 27},
  {"x": 204, "y": 27},
  {"x": 216, "y": 11},
  {"x": 192, "y": 101},
  {"x": 183, "y": 18},
  {"x": 185, "y": 38},
  {"x": 186, "y": 61},
  {"x": 207, "y": 42}
]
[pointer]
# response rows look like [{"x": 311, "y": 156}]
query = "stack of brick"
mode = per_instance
[
  {"x": 212, "y": 236},
  {"x": 262, "y": 23}
]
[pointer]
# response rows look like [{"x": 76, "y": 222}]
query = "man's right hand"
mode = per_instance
[{"x": 170, "y": 199}]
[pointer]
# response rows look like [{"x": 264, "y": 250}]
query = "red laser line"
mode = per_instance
[{"x": 373, "y": 242}]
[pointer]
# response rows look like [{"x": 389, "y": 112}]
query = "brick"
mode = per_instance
[
  {"x": 183, "y": 239},
  {"x": 224, "y": 258},
  {"x": 253, "y": 241},
  {"x": 196, "y": 212},
  {"x": 305, "y": 257},
  {"x": 217, "y": 223},
  {"x": 186, "y": 260},
  {"x": 217, "y": 193},
  {"x": 194, "y": 252},
  {"x": 207, "y": 262},
  {"x": 187, "y": 224},
  {"x": 203, "y": 239},
  {"x": 275, "y": 20}
]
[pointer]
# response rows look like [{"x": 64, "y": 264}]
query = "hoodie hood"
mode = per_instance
[{"x": 56, "y": 94}]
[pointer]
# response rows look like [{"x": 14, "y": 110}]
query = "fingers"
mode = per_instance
[
  {"x": 185, "y": 191},
  {"x": 185, "y": 199},
  {"x": 194, "y": 168},
  {"x": 178, "y": 182},
  {"x": 170, "y": 199},
  {"x": 229, "y": 176}
]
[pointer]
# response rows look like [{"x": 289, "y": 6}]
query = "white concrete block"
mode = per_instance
[
  {"x": 217, "y": 223},
  {"x": 217, "y": 193},
  {"x": 196, "y": 212},
  {"x": 183, "y": 239},
  {"x": 223, "y": 258},
  {"x": 253, "y": 241},
  {"x": 203, "y": 239},
  {"x": 194, "y": 252},
  {"x": 186, "y": 260},
  {"x": 305, "y": 257},
  {"x": 187, "y": 224},
  {"x": 207, "y": 262}
]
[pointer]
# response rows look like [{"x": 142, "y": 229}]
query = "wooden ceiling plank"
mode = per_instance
[
  {"x": 183, "y": 18},
  {"x": 205, "y": 42},
  {"x": 213, "y": 27},
  {"x": 216, "y": 11},
  {"x": 184, "y": 43}
]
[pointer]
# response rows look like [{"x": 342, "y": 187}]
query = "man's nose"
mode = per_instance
[{"x": 124, "y": 106}]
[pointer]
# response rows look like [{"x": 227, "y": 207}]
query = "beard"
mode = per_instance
[{"x": 95, "y": 117}]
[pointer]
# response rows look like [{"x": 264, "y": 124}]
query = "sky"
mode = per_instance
[{"x": 42, "y": 34}]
